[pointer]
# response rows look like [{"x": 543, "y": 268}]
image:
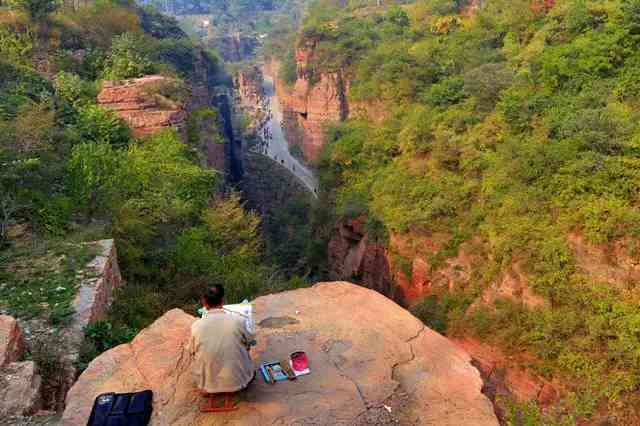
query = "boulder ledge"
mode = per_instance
[{"x": 372, "y": 363}]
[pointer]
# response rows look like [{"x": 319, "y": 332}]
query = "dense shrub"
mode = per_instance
[
  {"x": 99, "y": 124},
  {"x": 129, "y": 58},
  {"x": 15, "y": 46},
  {"x": 95, "y": 25}
]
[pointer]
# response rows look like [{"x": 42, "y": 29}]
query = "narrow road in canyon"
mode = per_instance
[{"x": 276, "y": 146}]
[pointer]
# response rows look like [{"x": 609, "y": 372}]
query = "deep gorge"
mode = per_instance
[{"x": 474, "y": 162}]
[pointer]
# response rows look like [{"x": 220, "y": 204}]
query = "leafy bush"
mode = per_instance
[
  {"x": 99, "y": 124},
  {"x": 129, "y": 58},
  {"x": 177, "y": 52},
  {"x": 20, "y": 87},
  {"x": 72, "y": 90},
  {"x": 99, "y": 337},
  {"x": 173, "y": 90},
  {"x": 54, "y": 214},
  {"x": 15, "y": 46},
  {"x": 447, "y": 92},
  {"x": 37, "y": 10},
  {"x": 91, "y": 178},
  {"x": 48, "y": 354},
  {"x": 95, "y": 25},
  {"x": 224, "y": 249},
  {"x": 288, "y": 69}
]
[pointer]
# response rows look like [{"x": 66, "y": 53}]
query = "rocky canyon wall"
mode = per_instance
[
  {"x": 403, "y": 271},
  {"x": 210, "y": 145},
  {"x": 312, "y": 103},
  {"x": 236, "y": 47}
]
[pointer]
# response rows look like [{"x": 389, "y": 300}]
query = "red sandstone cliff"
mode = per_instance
[
  {"x": 236, "y": 47},
  {"x": 311, "y": 104},
  {"x": 144, "y": 112}
]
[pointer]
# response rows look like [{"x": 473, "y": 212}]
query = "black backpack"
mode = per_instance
[{"x": 122, "y": 409}]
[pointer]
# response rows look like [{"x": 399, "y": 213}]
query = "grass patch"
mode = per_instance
[{"x": 41, "y": 280}]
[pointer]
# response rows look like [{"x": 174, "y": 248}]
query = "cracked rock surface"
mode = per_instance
[{"x": 372, "y": 363}]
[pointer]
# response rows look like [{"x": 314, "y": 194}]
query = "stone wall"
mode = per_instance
[
  {"x": 99, "y": 281},
  {"x": 58, "y": 345}
]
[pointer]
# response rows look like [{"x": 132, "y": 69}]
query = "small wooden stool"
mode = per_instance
[{"x": 226, "y": 407}]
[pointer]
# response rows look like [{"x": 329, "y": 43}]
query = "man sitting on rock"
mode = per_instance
[{"x": 219, "y": 347}]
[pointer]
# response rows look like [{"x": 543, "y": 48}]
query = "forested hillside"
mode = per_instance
[{"x": 509, "y": 128}]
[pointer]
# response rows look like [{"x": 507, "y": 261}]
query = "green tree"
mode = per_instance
[
  {"x": 37, "y": 10},
  {"x": 160, "y": 190},
  {"x": 225, "y": 248},
  {"x": 72, "y": 90},
  {"x": 91, "y": 176},
  {"x": 99, "y": 124},
  {"x": 129, "y": 58},
  {"x": 15, "y": 46}
]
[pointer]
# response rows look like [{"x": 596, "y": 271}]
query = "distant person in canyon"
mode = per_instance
[{"x": 219, "y": 347}]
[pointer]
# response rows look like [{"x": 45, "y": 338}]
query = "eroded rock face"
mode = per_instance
[
  {"x": 365, "y": 352},
  {"x": 353, "y": 255},
  {"x": 404, "y": 271},
  {"x": 236, "y": 47},
  {"x": 11, "y": 340},
  {"x": 311, "y": 104},
  {"x": 507, "y": 375},
  {"x": 141, "y": 110}
]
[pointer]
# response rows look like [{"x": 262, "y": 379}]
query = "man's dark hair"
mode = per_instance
[{"x": 214, "y": 295}]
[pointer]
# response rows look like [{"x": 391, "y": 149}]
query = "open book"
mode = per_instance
[{"x": 244, "y": 309}]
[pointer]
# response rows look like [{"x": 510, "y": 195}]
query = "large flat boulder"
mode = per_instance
[
  {"x": 372, "y": 363},
  {"x": 142, "y": 111}
]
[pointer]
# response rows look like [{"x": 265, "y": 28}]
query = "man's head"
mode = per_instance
[{"x": 213, "y": 297}]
